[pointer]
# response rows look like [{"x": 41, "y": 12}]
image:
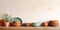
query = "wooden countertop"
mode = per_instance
[{"x": 29, "y": 28}]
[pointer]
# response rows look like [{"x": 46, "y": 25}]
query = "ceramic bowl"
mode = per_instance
[{"x": 35, "y": 24}]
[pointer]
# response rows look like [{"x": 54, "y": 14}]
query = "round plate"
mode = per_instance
[{"x": 16, "y": 19}]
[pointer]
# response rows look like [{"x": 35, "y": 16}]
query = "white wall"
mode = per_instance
[{"x": 31, "y": 10}]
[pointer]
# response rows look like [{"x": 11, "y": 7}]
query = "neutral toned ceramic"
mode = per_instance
[
  {"x": 37, "y": 24},
  {"x": 6, "y": 24}
]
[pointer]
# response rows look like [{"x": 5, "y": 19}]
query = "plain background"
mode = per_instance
[{"x": 31, "y": 10}]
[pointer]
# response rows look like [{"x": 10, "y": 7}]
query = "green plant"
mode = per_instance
[{"x": 6, "y": 18}]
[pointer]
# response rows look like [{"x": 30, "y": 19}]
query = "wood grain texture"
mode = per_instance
[{"x": 29, "y": 28}]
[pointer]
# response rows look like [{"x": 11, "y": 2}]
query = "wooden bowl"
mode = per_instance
[
  {"x": 26, "y": 24},
  {"x": 16, "y": 24},
  {"x": 44, "y": 24},
  {"x": 53, "y": 23}
]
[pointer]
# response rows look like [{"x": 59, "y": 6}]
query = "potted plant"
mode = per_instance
[{"x": 6, "y": 19}]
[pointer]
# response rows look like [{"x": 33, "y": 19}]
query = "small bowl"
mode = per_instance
[
  {"x": 27, "y": 24},
  {"x": 16, "y": 24},
  {"x": 45, "y": 24},
  {"x": 35, "y": 24}
]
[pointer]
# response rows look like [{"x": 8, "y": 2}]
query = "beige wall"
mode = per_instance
[{"x": 31, "y": 10}]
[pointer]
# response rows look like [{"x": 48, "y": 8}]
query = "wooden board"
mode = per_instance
[{"x": 29, "y": 28}]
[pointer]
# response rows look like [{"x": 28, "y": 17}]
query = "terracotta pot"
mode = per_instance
[
  {"x": 44, "y": 24},
  {"x": 6, "y": 24},
  {"x": 26, "y": 24},
  {"x": 53, "y": 23},
  {"x": 1, "y": 22},
  {"x": 16, "y": 24}
]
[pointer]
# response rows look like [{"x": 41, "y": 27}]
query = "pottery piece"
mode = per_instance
[
  {"x": 35, "y": 24},
  {"x": 53, "y": 23},
  {"x": 27, "y": 24},
  {"x": 16, "y": 24},
  {"x": 6, "y": 24},
  {"x": 45, "y": 24}
]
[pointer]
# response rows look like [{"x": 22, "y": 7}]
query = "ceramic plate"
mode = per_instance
[{"x": 16, "y": 19}]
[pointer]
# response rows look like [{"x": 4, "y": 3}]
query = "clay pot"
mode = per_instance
[
  {"x": 44, "y": 24},
  {"x": 1, "y": 22},
  {"x": 53, "y": 23},
  {"x": 26, "y": 24},
  {"x": 6, "y": 24},
  {"x": 16, "y": 24}
]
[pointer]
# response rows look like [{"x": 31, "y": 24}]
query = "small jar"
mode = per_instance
[{"x": 45, "y": 24}]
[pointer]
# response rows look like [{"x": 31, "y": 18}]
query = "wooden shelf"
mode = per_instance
[{"x": 29, "y": 28}]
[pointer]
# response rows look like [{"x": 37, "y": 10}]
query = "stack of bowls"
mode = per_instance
[{"x": 53, "y": 23}]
